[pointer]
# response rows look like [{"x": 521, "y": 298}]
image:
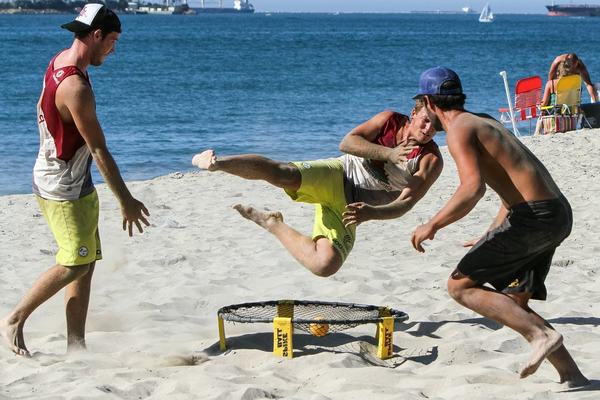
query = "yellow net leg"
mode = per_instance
[
  {"x": 222, "y": 341},
  {"x": 282, "y": 337},
  {"x": 285, "y": 308},
  {"x": 385, "y": 333}
]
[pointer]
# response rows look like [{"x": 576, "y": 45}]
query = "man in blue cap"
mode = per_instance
[{"x": 515, "y": 254}]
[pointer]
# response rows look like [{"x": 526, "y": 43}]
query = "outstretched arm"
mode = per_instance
[
  {"x": 430, "y": 168},
  {"x": 76, "y": 96},
  {"x": 358, "y": 141},
  {"x": 463, "y": 148}
]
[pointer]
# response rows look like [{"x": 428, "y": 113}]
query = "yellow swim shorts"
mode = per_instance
[
  {"x": 74, "y": 224},
  {"x": 323, "y": 186}
]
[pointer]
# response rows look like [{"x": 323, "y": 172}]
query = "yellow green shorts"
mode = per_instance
[
  {"x": 74, "y": 224},
  {"x": 323, "y": 186}
]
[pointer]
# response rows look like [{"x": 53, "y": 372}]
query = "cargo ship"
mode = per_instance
[
  {"x": 574, "y": 10},
  {"x": 239, "y": 7}
]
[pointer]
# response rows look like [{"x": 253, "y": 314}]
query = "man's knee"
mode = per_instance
[
  {"x": 328, "y": 261},
  {"x": 457, "y": 283},
  {"x": 325, "y": 269}
]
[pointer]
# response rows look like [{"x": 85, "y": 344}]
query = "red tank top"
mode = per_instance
[
  {"x": 387, "y": 138},
  {"x": 62, "y": 167},
  {"x": 67, "y": 138}
]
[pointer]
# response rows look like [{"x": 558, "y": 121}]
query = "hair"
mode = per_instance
[
  {"x": 85, "y": 33},
  {"x": 449, "y": 101},
  {"x": 567, "y": 67},
  {"x": 419, "y": 104}
]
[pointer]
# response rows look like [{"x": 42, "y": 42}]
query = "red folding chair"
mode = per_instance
[{"x": 528, "y": 97}]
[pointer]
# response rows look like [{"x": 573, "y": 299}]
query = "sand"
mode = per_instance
[{"x": 152, "y": 326}]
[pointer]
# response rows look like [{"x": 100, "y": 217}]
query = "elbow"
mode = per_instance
[
  {"x": 474, "y": 191},
  {"x": 479, "y": 191},
  {"x": 344, "y": 147}
]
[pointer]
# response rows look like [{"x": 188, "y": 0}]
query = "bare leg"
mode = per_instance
[
  {"x": 77, "y": 299},
  {"x": 318, "y": 256},
  {"x": 252, "y": 166},
  {"x": 560, "y": 358},
  {"x": 46, "y": 286},
  {"x": 501, "y": 308}
]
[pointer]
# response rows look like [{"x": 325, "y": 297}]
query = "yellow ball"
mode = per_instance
[{"x": 318, "y": 329}]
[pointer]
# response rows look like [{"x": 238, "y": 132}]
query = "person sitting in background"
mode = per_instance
[
  {"x": 578, "y": 68},
  {"x": 565, "y": 68}
]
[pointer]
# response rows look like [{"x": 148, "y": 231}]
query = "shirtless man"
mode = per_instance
[
  {"x": 382, "y": 177},
  {"x": 70, "y": 137},
  {"x": 578, "y": 67},
  {"x": 514, "y": 255}
]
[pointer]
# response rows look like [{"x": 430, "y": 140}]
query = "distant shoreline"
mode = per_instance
[
  {"x": 29, "y": 11},
  {"x": 21, "y": 11}
]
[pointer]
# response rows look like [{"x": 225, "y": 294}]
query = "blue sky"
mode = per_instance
[{"x": 498, "y": 6}]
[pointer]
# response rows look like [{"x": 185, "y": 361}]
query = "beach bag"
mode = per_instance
[{"x": 559, "y": 123}]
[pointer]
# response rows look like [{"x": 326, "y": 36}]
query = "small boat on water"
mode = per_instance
[{"x": 486, "y": 14}]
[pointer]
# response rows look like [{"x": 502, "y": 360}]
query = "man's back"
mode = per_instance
[{"x": 505, "y": 164}]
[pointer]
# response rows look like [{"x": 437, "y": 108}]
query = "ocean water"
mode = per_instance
[{"x": 288, "y": 86}]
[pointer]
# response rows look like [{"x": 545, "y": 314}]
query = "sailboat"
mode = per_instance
[{"x": 486, "y": 14}]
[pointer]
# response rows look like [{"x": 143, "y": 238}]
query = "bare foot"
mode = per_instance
[
  {"x": 13, "y": 337},
  {"x": 263, "y": 218},
  {"x": 575, "y": 382},
  {"x": 205, "y": 160},
  {"x": 76, "y": 345},
  {"x": 542, "y": 348}
]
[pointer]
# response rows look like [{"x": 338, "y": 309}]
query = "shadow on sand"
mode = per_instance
[{"x": 364, "y": 347}]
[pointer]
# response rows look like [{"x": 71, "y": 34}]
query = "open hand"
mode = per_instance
[
  {"x": 399, "y": 154},
  {"x": 133, "y": 212},
  {"x": 357, "y": 213}
]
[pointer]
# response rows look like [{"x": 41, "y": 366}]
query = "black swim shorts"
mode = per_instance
[{"x": 516, "y": 256}]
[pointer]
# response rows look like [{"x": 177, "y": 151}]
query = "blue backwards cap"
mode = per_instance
[{"x": 432, "y": 82}]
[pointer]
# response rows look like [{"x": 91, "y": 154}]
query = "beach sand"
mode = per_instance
[{"x": 152, "y": 325}]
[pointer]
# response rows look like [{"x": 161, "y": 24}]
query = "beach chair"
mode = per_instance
[
  {"x": 564, "y": 114},
  {"x": 528, "y": 97}
]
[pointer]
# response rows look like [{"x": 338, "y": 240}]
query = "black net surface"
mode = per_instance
[{"x": 308, "y": 315}]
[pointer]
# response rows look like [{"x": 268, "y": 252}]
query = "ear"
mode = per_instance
[
  {"x": 413, "y": 113},
  {"x": 428, "y": 103},
  {"x": 97, "y": 34}
]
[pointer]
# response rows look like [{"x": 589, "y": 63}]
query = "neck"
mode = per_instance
[
  {"x": 78, "y": 54},
  {"x": 403, "y": 133},
  {"x": 447, "y": 117}
]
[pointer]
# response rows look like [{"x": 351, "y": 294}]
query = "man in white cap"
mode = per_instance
[{"x": 70, "y": 138}]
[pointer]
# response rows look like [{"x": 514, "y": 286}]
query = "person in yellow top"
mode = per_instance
[{"x": 578, "y": 67}]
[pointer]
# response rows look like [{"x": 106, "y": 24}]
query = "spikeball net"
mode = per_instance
[{"x": 318, "y": 318}]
